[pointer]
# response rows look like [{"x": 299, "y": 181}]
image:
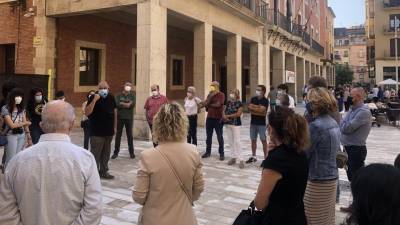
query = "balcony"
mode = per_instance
[
  {"x": 388, "y": 30},
  {"x": 317, "y": 47}
]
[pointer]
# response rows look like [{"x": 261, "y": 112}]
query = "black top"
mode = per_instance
[
  {"x": 34, "y": 111},
  {"x": 233, "y": 107},
  {"x": 259, "y": 120},
  {"x": 102, "y": 117},
  {"x": 286, "y": 205}
]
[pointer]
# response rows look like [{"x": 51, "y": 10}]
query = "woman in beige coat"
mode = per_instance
[{"x": 169, "y": 178}]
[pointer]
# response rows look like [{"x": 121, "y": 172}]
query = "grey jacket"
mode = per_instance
[
  {"x": 325, "y": 143},
  {"x": 356, "y": 126}
]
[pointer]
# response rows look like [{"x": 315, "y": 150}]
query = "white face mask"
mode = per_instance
[
  {"x": 232, "y": 96},
  {"x": 38, "y": 98},
  {"x": 258, "y": 93},
  {"x": 154, "y": 93},
  {"x": 128, "y": 88},
  {"x": 189, "y": 94},
  {"x": 18, "y": 100}
]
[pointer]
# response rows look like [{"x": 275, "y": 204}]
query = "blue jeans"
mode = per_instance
[
  {"x": 15, "y": 144},
  {"x": 356, "y": 161},
  {"x": 211, "y": 125}
]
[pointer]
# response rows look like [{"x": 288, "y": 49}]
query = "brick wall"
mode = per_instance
[
  {"x": 119, "y": 39},
  {"x": 10, "y": 20}
]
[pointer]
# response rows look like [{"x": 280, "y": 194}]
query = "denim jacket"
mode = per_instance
[{"x": 325, "y": 143}]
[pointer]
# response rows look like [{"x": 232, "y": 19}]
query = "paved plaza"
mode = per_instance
[{"x": 228, "y": 188}]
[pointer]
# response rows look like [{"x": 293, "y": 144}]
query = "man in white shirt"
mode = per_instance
[
  {"x": 53, "y": 182},
  {"x": 375, "y": 92},
  {"x": 284, "y": 89}
]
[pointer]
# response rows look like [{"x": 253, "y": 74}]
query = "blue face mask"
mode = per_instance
[{"x": 103, "y": 93}]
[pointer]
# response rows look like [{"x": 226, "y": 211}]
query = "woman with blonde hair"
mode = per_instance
[
  {"x": 232, "y": 114},
  {"x": 169, "y": 178},
  {"x": 285, "y": 170},
  {"x": 320, "y": 195}
]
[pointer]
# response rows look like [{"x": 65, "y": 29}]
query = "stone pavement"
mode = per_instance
[{"x": 228, "y": 189}]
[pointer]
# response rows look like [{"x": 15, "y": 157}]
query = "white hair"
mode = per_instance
[{"x": 57, "y": 116}]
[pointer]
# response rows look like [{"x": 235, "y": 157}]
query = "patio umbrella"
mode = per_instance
[{"x": 388, "y": 82}]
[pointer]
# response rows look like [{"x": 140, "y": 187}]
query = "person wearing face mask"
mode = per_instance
[
  {"x": 126, "y": 104},
  {"x": 17, "y": 127},
  {"x": 102, "y": 112},
  {"x": 233, "y": 122},
  {"x": 153, "y": 104},
  {"x": 284, "y": 89},
  {"x": 34, "y": 112},
  {"x": 258, "y": 127},
  {"x": 60, "y": 95},
  {"x": 85, "y": 122},
  {"x": 192, "y": 103},
  {"x": 214, "y": 105}
]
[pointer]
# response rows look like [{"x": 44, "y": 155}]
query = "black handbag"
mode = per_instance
[{"x": 250, "y": 216}]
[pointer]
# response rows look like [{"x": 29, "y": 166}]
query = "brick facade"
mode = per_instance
[{"x": 12, "y": 19}]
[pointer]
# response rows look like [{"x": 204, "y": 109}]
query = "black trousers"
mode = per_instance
[
  {"x": 192, "y": 132},
  {"x": 211, "y": 125},
  {"x": 128, "y": 124},
  {"x": 357, "y": 155},
  {"x": 86, "y": 134},
  {"x": 151, "y": 129},
  {"x": 36, "y": 132}
]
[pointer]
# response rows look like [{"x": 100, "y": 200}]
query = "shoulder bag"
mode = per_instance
[
  {"x": 4, "y": 131},
  {"x": 176, "y": 175},
  {"x": 250, "y": 216}
]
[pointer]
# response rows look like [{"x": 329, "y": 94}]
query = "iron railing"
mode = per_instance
[
  {"x": 259, "y": 7},
  {"x": 317, "y": 47}
]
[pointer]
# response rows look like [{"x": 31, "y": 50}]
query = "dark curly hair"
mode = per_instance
[{"x": 11, "y": 100}]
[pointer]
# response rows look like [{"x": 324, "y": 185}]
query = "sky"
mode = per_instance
[{"x": 348, "y": 12}]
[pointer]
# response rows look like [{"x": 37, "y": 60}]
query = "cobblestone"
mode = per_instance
[{"x": 228, "y": 188}]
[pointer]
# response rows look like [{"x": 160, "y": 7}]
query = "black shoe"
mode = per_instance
[
  {"x": 106, "y": 176},
  {"x": 251, "y": 160},
  {"x": 206, "y": 155},
  {"x": 114, "y": 156},
  {"x": 132, "y": 155},
  {"x": 221, "y": 158}
]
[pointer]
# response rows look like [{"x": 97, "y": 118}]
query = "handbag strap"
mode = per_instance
[{"x": 176, "y": 175}]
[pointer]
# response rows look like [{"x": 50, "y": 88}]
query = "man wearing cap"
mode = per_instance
[
  {"x": 214, "y": 105},
  {"x": 125, "y": 104}
]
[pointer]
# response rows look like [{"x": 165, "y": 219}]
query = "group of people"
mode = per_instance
[{"x": 298, "y": 182}]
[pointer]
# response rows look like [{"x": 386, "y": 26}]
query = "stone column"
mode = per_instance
[
  {"x": 278, "y": 67},
  {"x": 202, "y": 62},
  {"x": 151, "y": 58},
  {"x": 300, "y": 77},
  {"x": 45, "y": 45},
  {"x": 290, "y": 62},
  {"x": 256, "y": 66},
  {"x": 234, "y": 62}
]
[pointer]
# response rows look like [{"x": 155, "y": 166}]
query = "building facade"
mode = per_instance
[
  {"x": 351, "y": 50},
  {"x": 172, "y": 43},
  {"x": 380, "y": 27}
]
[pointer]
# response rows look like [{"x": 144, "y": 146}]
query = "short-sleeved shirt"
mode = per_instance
[
  {"x": 285, "y": 205},
  {"x": 255, "y": 119},
  {"x": 152, "y": 105},
  {"x": 233, "y": 107},
  {"x": 16, "y": 117},
  {"x": 191, "y": 106},
  {"x": 213, "y": 112},
  {"x": 102, "y": 117},
  {"x": 125, "y": 113}
]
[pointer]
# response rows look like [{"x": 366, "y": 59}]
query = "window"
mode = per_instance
[
  {"x": 89, "y": 67},
  {"x": 393, "y": 47},
  {"x": 392, "y": 23},
  {"x": 346, "y": 53},
  {"x": 177, "y": 72},
  {"x": 214, "y": 71},
  {"x": 340, "y": 42},
  {"x": 7, "y": 59},
  {"x": 346, "y": 42}
]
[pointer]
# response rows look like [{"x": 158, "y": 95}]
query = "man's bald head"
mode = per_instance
[
  {"x": 103, "y": 85},
  {"x": 57, "y": 117},
  {"x": 358, "y": 95}
]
